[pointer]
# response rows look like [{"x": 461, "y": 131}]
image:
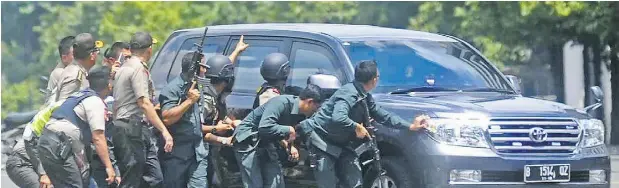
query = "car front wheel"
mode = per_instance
[{"x": 396, "y": 175}]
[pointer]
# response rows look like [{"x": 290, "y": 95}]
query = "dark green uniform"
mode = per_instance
[
  {"x": 213, "y": 110},
  {"x": 256, "y": 138},
  {"x": 332, "y": 130},
  {"x": 178, "y": 165}
]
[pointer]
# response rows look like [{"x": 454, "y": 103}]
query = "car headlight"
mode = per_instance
[
  {"x": 459, "y": 131},
  {"x": 593, "y": 132}
]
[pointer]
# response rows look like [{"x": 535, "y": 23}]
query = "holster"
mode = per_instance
[
  {"x": 64, "y": 150},
  {"x": 311, "y": 156}
]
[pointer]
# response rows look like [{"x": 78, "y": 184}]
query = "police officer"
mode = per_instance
[
  {"x": 274, "y": 69},
  {"x": 339, "y": 121},
  {"x": 65, "y": 50},
  {"x": 64, "y": 146},
  {"x": 113, "y": 59},
  {"x": 21, "y": 168},
  {"x": 133, "y": 92},
  {"x": 262, "y": 130},
  {"x": 24, "y": 160},
  {"x": 115, "y": 55},
  {"x": 73, "y": 76}
]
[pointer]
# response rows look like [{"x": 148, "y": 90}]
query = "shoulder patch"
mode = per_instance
[
  {"x": 80, "y": 75},
  {"x": 259, "y": 88}
]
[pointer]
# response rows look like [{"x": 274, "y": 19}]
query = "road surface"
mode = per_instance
[{"x": 7, "y": 183}]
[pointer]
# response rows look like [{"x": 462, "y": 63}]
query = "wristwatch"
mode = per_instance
[{"x": 214, "y": 130}]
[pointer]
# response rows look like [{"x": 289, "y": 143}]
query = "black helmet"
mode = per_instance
[
  {"x": 275, "y": 66},
  {"x": 219, "y": 67}
]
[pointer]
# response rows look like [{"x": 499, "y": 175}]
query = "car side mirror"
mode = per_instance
[
  {"x": 598, "y": 94},
  {"x": 515, "y": 82}
]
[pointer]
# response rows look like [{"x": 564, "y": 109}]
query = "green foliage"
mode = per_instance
[
  {"x": 507, "y": 31},
  {"x": 31, "y": 30},
  {"x": 20, "y": 96}
]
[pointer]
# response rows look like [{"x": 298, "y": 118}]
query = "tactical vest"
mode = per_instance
[
  {"x": 66, "y": 112},
  {"x": 260, "y": 91}
]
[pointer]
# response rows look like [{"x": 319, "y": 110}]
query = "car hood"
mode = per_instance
[{"x": 492, "y": 104}]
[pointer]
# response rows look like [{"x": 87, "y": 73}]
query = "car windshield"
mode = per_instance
[{"x": 406, "y": 65}]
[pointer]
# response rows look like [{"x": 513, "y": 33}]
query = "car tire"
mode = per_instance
[{"x": 397, "y": 176}]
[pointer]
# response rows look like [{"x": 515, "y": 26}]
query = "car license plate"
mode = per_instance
[{"x": 547, "y": 173}]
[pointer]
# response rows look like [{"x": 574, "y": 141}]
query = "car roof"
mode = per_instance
[{"x": 343, "y": 32}]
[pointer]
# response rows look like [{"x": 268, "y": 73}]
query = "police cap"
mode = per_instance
[
  {"x": 142, "y": 40},
  {"x": 85, "y": 43}
]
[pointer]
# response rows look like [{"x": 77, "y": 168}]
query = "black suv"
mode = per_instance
[{"x": 484, "y": 133}]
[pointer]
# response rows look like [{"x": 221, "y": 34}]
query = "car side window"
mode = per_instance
[
  {"x": 162, "y": 63},
  {"x": 247, "y": 73},
  {"x": 308, "y": 59},
  {"x": 212, "y": 46}
]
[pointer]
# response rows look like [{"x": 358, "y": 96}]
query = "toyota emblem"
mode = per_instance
[{"x": 538, "y": 134}]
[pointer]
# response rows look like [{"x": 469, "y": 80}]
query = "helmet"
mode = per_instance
[
  {"x": 275, "y": 66},
  {"x": 219, "y": 67}
]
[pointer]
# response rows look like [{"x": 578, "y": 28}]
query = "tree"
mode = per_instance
[
  {"x": 30, "y": 48},
  {"x": 507, "y": 29}
]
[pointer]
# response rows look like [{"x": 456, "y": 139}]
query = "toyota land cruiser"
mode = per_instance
[{"x": 484, "y": 133}]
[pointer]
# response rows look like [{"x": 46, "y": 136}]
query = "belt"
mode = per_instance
[{"x": 133, "y": 121}]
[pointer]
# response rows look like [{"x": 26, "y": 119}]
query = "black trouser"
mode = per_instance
[
  {"x": 153, "y": 176},
  {"x": 136, "y": 153},
  {"x": 65, "y": 160},
  {"x": 21, "y": 171},
  {"x": 130, "y": 151}
]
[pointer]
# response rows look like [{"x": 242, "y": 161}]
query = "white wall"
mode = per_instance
[{"x": 573, "y": 75}]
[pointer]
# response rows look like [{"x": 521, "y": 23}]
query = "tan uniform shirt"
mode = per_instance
[
  {"x": 267, "y": 95},
  {"x": 73, "y": 79},
  {"x": 131, "y": 82},
  {"x": 55, "y": 76}
]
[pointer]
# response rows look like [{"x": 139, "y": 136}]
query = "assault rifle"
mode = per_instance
[
  {"x": 194, "y": 68},
  {"x": 371, "y": 144}
]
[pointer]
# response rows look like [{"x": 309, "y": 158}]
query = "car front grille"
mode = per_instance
[{"x": 514, "y": 136}]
